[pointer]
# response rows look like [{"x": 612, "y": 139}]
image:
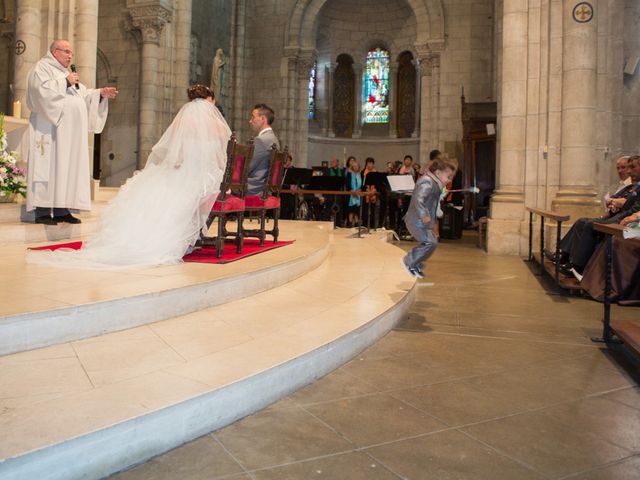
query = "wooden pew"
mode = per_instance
[
  {"x": 626, "y": 331},
  {"x": 562, "y": 281}
]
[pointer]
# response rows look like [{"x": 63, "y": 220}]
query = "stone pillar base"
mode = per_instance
[{"x": 507, "y": 237}]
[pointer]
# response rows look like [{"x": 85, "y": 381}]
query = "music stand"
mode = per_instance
[
  {"x": 402, "y": 186},
  {"x": 401, "y": 183},
  {"x": 297, "y": 176},
  {"x": 325, "y": 182}
]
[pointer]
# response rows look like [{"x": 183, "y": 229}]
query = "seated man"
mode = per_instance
[
  {"x": 262, "y": 118},
  {"x": 577, "y": 246},
  {"x": 613, "y": 202}
]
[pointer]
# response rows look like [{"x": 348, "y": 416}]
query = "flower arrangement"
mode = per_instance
[{"x": 12, "y": 177}]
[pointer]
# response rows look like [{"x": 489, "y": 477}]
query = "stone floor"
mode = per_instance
[{"x": 492, "y": 376}]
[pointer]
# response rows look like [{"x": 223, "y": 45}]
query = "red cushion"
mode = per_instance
[
  {"x": 230, "y": 204},
  {"x": 276, "y": 172},
  {"x": 237, "y": 169},
  {"x": 255, "y": 201}
]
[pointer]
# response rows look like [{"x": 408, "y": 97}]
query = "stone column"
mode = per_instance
[
  {"x": 577, "y": 195},
  {"x": 301, "y": 139},
  {"x": 328, "y": 75},
  {"x": 393, "y": 86},
  {"x": 434, "y": 113},
  {"x": 288, "y": 125},
  {"x": 357, "y": 130},
  {"x": 534, "y": 70},
  {"x": 149, "y": 20},
  {"x": 507, "y": 212},
  {"x": 26, "y": 47},
  {"x": 418, "y": 121},
  {"x": 240, "y": 113},
  {"x": 424, "y": 79},
  {"x": 85, "y": 48},
  {"x": 85, "y": 44},
  {"x": 181, "y": 52}
]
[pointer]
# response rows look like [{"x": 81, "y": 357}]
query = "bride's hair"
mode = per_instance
[{"x": 199, "y": 91}]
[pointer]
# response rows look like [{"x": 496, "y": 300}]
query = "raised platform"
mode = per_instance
[
  {"x": 92, "y": 407},
  {"x": 42, "y": 306},
  {"x": 17, "y": 225}
]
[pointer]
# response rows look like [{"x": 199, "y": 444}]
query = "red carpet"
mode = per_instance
[{"x": 204, "y": 254}]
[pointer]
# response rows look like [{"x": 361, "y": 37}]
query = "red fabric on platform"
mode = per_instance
[
  {"x": 250, "y": 247},
  {"x": 70, "y": 245},
  {"x": 255, "y": 201},
  {"x": 204, "y": 254},
  {"x": 230, "y": 204}
]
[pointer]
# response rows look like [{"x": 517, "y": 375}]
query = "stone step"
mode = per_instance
[
  {"x": 90, "y": 408},
  {"x": 50, "y": 306}
]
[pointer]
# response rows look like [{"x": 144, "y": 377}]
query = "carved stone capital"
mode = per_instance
[
  {"x": 428, "y": 62},
  {"x": 292, "y": 64},
  {"x": 434, "y": 60},
  {"x": 148, "y": 20},
  {"x": 304, "y": 67}
]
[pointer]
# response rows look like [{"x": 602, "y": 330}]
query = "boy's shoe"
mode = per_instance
[
  {"x": 417, "y": 272},
  {"x": 410, "y": 271}
]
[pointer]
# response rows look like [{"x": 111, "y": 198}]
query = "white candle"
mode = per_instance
[{"x": 17, "y": 109}]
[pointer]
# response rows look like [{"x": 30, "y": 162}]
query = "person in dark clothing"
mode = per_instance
[{"x": 577, "y": 246}]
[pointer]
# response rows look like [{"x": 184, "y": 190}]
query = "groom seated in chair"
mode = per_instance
[{"x": 262, "y": 118}]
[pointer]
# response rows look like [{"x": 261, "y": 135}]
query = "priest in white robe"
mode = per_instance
[{"x": 63, "y": 112}]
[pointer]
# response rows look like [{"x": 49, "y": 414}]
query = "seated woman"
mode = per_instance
[
  {"x": 159, "y": 213},
  {"x": 353, "y": 183}
]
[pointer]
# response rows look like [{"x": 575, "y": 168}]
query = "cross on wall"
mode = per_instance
[{"x": 583, "y": 12}]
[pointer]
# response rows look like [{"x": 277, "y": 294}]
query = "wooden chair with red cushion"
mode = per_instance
[
  {"x": 231, "y": 200},
  {"x": 269, "y": 199}
]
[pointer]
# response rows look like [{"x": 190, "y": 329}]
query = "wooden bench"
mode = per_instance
[
  {"x": 546, "y": 265},
  {"x": 625, "y": 330}
]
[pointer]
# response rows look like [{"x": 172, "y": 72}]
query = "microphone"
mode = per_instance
[{"x": 73, "y": 69}]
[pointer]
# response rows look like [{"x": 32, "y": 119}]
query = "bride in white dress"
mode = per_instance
[{"x": 159, "y": 213}]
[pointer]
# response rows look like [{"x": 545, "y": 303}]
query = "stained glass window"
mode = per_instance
[
  {"x": 312, "y": 90},
  {"x": 375, "y": 90}
]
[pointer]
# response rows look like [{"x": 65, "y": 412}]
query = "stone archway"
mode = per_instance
[
  {"x": 299, "y": 54},
  {"x": 429, "y": 16}
]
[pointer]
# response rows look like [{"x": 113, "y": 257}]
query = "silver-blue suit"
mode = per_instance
[
  {"x": 259, "y": 167},
  {"x": 424, "y": 201}
]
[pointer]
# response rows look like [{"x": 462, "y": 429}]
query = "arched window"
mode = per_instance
[
  {"x": 312, "y": 90},
  {"x": 375, "y": 89}
]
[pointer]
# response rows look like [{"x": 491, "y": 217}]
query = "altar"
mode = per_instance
[{"x": 17, "y": 135}]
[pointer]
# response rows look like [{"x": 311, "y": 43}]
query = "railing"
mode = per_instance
[{"x": 559, "y": 219}]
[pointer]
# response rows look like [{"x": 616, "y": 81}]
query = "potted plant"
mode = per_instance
[{"x": 12, "y": 176}]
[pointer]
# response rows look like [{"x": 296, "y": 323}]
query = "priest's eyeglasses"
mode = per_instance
[{"x": 68, "y": 52}]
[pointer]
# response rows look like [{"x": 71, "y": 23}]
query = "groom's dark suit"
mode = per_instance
[{"x": 259, "y": 167}]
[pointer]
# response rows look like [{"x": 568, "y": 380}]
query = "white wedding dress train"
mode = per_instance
[{"x": 159, "y": 213}]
